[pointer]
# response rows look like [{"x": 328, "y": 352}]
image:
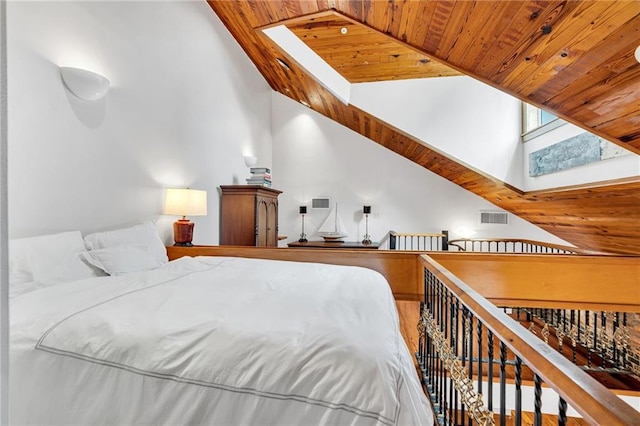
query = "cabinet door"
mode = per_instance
[
  {"x": 272, "y": 223},
  {"x": 262, "y": 220}
]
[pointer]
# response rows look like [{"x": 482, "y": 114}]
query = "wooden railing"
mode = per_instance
[
  {"x": 440, "y": 242},
  {"x": 418, "y": 242},
  {"x": 457, "y": 324},
  {"x": 513, "y": 245}
]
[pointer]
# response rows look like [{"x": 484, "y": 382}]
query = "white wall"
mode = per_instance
[
  {"x": 467, "y": 119},
  {"x": 4, "y": 263},
  {"x": 185, "y": 105},
  {"x": 613, "y": 168},
  {"x": 314, "y": 156}
]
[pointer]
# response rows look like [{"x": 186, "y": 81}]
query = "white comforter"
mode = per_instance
[{"x": 214, "y": 340}]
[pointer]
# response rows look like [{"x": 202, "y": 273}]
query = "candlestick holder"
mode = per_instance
[
  {"x": 367, "y": 211},
  {"x": 303, "y": 236}
]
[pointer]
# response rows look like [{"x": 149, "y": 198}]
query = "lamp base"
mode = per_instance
[
  {"x": 303, "y": 238},
  {"x": 183, "y": 232},
  {"x": 367, "y": 240}
]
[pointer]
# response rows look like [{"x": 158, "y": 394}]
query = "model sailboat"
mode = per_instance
[{"x": 333, "y": 229}]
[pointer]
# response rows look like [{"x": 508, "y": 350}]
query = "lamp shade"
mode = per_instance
[
  {"x": 303, "y": 209},
  {"x": 84, "y": 84},
  {"x": 186, "y": 202},
  {"x": 366, "y": 209}
]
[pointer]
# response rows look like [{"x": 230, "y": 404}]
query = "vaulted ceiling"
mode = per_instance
[{"x": 573, "y": 58}]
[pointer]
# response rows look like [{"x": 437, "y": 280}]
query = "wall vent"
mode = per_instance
[
  {"x": 496, "y": 218},
  {"x": 320, "y": 203}
]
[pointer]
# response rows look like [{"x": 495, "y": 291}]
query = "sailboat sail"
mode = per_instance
[{"x": 333, "y": 228}]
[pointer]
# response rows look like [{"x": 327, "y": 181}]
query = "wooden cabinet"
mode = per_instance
[{"x": 249, "y": 216}]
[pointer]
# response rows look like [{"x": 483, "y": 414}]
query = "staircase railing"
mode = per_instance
[
  {"x": 596, "y": 341},
  {"x": 513, "y": 245},
  {"x": 457, "y": 325},
  {"x": 440, "y": 242}
]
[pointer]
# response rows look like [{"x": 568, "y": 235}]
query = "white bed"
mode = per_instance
[{"x": 214, "y": 340}]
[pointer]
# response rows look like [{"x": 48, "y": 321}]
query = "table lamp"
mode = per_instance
[{"x": 185, "y": 202}]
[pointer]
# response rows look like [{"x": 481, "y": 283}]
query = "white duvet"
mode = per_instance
[{"x": 216, "y": 341}]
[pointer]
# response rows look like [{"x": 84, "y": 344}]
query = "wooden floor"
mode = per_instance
[{"x": 409, "y": 313}]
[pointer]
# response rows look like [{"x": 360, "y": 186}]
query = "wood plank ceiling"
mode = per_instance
[
  {"x": 573, "y": 58},
  {"x": 361, "y": 54}
]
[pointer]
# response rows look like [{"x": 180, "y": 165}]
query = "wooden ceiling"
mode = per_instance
[
  {"x": 361, "y": 54},
  {"x": 573, "y": 58}
]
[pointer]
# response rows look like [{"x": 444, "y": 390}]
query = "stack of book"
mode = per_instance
[{"x": 260, "y": 176}]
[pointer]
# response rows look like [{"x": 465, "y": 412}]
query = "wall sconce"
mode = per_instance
[
  {"x": 465, "y": 233},
  {"x": 367, "y": 211},
  {"x": 185, "y": 202},
  {"x": 250, "y": 160},
  {"x": 303, "y": 236},
  {"x": 84, "y": 84}
]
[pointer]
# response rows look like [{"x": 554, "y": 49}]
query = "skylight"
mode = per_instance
[{"x": 311, "y": 61}]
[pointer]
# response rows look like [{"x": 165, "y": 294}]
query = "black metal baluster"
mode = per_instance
[
  {"x": 470, "y": 338},
  {"x": 443, "y": 370},
  {"x": 479, "y": 336},
  {"x": 427, "y": 340},
  {"x": 452, "y": 337},
  {"x": 572, "y": 321},
  {"x": 587, "y": 315},
  {"x": 624, "y": 350},
  {"x": 518, "y": 419},
  {"x": 503, "y": 384},
  {"x": 579, "y": 326},
  {"x": 490, "y": 370},
  {"x": 603, "y": 324},
  {"x": 422, "y": 344},
  {"x": 537, "y": 414},
  {"x": 443, "y": 327},
  {"x": 438, "y": 369},
  {"x": 616, "y": 323},
  {"x": 433, "y": 354},
  {"x": 464, "y": 353},
  {"x": 562, "y": 412},
  {"x": 430, "y": 358},
  {"x": 456, "y": 334}
]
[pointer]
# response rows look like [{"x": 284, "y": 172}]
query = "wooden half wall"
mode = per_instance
[
  {"x": 609, "y": 283},
  {"x": 401, "y": 269}
]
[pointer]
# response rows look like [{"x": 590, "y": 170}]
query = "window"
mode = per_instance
[{"x": 536, "y": 121}]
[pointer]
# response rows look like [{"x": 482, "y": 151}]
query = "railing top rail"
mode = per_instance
[
  {"x": 411, "y": 234},
  {"x": 592, "y": 400},
  {"x": 532, "y": 242}
]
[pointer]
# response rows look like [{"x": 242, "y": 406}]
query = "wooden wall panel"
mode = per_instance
[
  {"x": 549, "y": 281},
  {"x": 599, "y": 81}
]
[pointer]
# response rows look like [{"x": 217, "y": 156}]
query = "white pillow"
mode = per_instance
[
  {"x": 17, "y": 290},
  {"x": 48, "y": 259},
  {"x": 144, "y": 234},
  {"x": 122, "y": 260},
  {"x": 20, "y": 271}
]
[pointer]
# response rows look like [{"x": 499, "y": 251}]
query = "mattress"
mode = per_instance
[{"x": 214, "y": 340}]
